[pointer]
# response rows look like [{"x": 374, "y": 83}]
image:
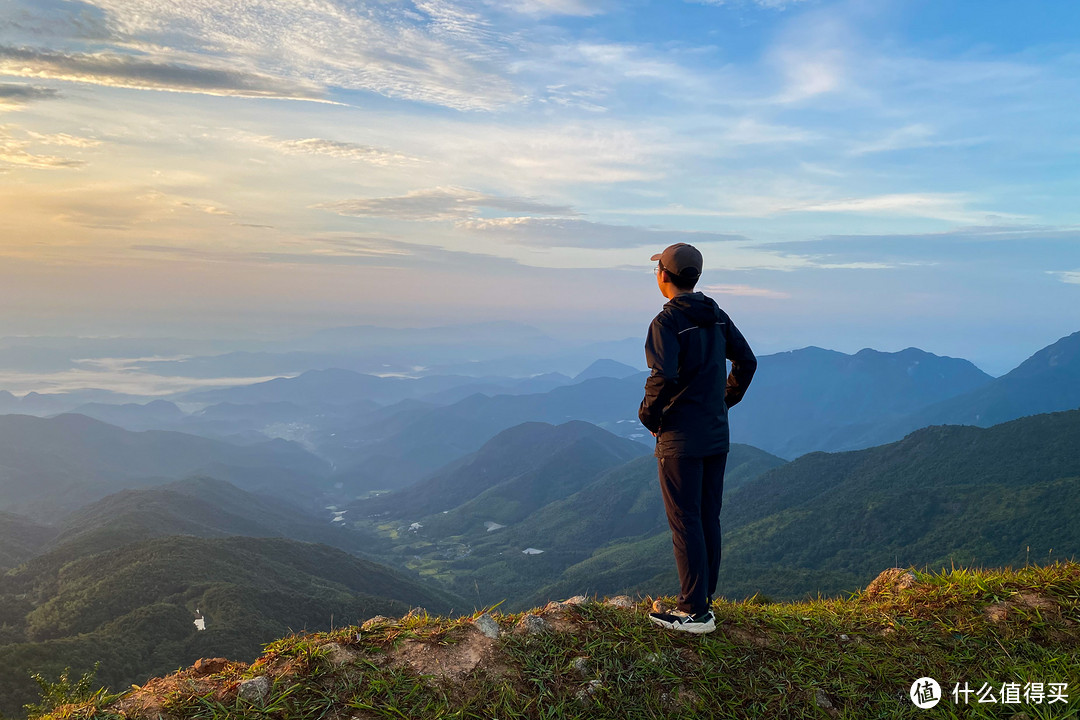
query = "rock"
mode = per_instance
[
  {"x": 532, "y": 625},
  {"x": 576, "y": 600},
  {"x": 255, "y": 690},
  {"x": 377, "y": 620},
  {"x": 824, "y": 702},
  {"x": 581, "y": 665},
  {"x": 338, "y": 654},
  {"x": 487, "y": 625},
  {"x": 844, "y": 638},
  {"x": 209, "y": 666},
  {"x": 890, "y": 581},
  {"x": 621, "y": 601},
  {"x": 591, "y": 688}
]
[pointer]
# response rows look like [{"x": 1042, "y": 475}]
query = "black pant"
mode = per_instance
[{"x": 693, "y": 490}]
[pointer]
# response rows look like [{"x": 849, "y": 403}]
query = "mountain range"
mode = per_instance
[{"x": 54, "y": 465}]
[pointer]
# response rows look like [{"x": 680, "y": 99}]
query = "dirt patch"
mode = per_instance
[
  {"x": 447, "y": 660},
  {"x": 203, "y": 678},
  {"x": 1025, "y": 602},
  {"x": 747, "y": 637}
]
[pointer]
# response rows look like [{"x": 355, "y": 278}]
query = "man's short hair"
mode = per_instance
[{"x": 683, "y": 282}]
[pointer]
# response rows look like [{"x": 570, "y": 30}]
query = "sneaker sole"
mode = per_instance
[{"x": 693, "y": 628}]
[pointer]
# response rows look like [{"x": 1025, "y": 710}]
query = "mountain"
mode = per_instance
[
  {"x": 61, "y": 463},
  {"x": 515, "y": 472},
  {"x": 814, "y": 399},
  {"x": 20, "y": 539},
  {"x": 132, "y": 608},
  {"x": 197, "y": 506},
  {"x": 153, "y": 415},
  {"x": 1004, "y": 495},
  {"x": 567, "y": 496},
  {"x": 1048, "y": 381},
  {"x": 606, "y": 368},
  {"x": 407, "y": 447}
]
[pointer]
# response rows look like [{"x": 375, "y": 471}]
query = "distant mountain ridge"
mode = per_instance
[
  {"x": 61, "y": 463},
  {"x": 812, "y": 399},
  {"x": 1048, "y": 381}
]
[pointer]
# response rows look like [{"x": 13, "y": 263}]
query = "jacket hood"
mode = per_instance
[{"x": 701, "y": 309}]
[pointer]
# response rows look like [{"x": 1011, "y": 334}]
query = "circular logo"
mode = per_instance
[{"x": 925, "y": 692}]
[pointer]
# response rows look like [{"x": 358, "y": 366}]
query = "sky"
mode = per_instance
[{"x": 856, "y": 174}]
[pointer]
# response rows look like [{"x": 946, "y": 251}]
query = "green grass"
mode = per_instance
[{"x": 766, "y": 660}]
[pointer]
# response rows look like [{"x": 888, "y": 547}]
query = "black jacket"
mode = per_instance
[{"x": 687, "y": 396}]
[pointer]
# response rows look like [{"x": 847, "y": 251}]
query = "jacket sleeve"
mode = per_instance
[
  {"x": 662, "y": 357},
  {"x": 743, "y": 364}
]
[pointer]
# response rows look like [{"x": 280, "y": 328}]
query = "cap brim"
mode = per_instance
[{"x": 656, "y": 256}]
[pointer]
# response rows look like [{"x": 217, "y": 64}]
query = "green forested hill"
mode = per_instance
[
  {"x": 488, "y": 563},
  {"x": 518, "y": 471},
  {"x": 20, "y": 539},
  {"x": 199, "y": 506},
  {"x": 133, "y": 607},
  {"x": 828, "y": 522}
]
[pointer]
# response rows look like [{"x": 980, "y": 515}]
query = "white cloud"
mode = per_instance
[
  {"x": 14, "y": 153},
  {"x": 1071, "y": 277},
  {"x": 771, "y": 4},
  {"x": 62, "y": 139},
  {"x": 941, "y": 206},
  {"x": 151, "y": 73},
  {"x": 434, "y": 51},
  {"x": 576, "y": 233},
  {"x": 439, "y": 204},
  {"x": 336, "y": 149},
  {"x": 747, "y": 291},
  {"x": 580, "y": 8}
]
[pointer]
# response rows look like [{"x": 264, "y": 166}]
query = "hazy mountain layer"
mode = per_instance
[{"x": 59, "y": 464}]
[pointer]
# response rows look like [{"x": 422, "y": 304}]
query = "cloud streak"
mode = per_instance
[
  {"x": 136, "y": 72},
  {"x": 440, "y": 204},
  {"x": 343, "y": 150},
  {"x": 15, "y": 95},
  {"x": 577, "y": 233}
]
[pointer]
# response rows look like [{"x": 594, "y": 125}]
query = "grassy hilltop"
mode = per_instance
[{"x": 853, "y": 657}]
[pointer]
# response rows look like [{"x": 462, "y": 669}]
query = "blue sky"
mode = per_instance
[{"x": 856, "y": 174}]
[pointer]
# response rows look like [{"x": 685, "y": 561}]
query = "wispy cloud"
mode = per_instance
[
  {"x": 576, "y": 233},
  {"x": 580, "y": 8},
  {"x": 130, "y": 71},
  {"x": 337, "y": 149},
  {"x": 334, "y": 250},
  {"x": 62, "y": 139},
  {"x": 434, "y": 51},
  {"x": 15, "y": 95},
  {"x": 771, "y": 4},
  {"x": 747, "y": 291},
  {"x": 440, "y": 204},
  {"x": 14, "y": 153},
  {"x": 1070, "y": 276}
]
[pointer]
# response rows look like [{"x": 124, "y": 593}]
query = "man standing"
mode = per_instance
[{"x": 685, "y": 407}]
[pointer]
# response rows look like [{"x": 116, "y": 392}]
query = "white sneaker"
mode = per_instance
[{"x": 685, "y": 622}]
